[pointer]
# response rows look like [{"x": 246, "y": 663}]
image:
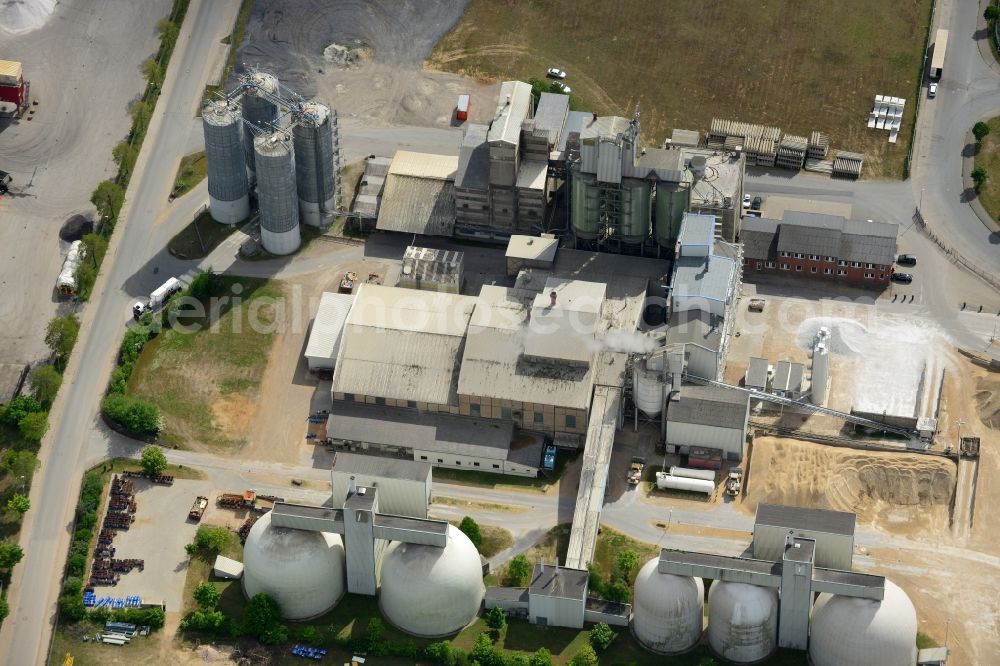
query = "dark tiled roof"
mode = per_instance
[
  {"x": 760, "y": 238},
  {"x": 822, "y": 235},
  {"x": 709, "y": 405}
]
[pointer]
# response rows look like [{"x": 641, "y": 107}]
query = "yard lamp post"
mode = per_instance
[{"x": 22, "y": 484}]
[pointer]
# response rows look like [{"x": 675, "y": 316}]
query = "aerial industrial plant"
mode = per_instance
[{"x": 459, "y": 354}]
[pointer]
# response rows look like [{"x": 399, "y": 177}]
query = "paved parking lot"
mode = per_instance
[{"x": 158, "y": 536}]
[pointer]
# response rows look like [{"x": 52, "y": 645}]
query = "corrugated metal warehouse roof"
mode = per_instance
[
  {"x": 817, "y": 520},
  {"x": 394, "y": 468},
  {"x": 709, "y": 405},
  {"x": 819, "y": 234},
  {"x": 424, "y": 165},
  {"x": 756, "y": 376},
  {"x": 565, "y": 330},
  {"x": 603, "y": 126},
  {"x": 506, "y": 125},
  {"x": 414, "y": 205},
  {"x": 473, "y": 159},
  {"x": 788, "y": 376},
  {"x": 328, "y": 326},
  {"x": 694, "y": 327},
  {"x": 697, "y": 230},
  {"x": 550, "y": 114},
  {"x": 403, "y": 344},
  {"x": 441, "y": 433},
  {"x": 492, "y": 365},
  {"x": 707, "y": 278}
]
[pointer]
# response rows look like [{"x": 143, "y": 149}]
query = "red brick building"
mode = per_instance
[{"x": 820, "y": 246}]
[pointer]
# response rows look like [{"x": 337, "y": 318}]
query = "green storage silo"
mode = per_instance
[
  {"x": 636, "y": 205},
  {"x": 672, "y": 201},
  {"x": 584, "y": 211}
]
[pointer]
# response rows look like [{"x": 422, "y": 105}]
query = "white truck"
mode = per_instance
[{"x": 158, "y": 297}]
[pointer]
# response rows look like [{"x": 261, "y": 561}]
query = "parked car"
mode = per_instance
[
  {"x": 906, "y": 260},
  {"x": 746, "y": 200},
  {"x": 557, "y": 73},
  {"x": 902, "y": 278},
  {"x": 559, "y": 86},
  {"x": 932, "y": 90},
  {"x": 756, "y": 203}
]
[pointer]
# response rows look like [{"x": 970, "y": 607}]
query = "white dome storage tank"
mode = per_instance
[
  {"x": 742, "y": 621},
  {"x": 846, "y": 631},
  {"x": 430, "y": 591},
  {"x": 303, "y": 571},
  {"x": 667, "y": 610}
]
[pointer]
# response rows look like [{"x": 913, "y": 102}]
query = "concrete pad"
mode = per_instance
[
  {"x": 158, "y": 536},
  {"x": 774, "y": 208}
]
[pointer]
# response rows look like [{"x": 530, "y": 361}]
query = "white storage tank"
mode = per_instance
[
  {"x": 647, "y": 389},
  {"x": 846, "y": 631},
  {"x": 667, "y": 610},
  {"x": 665, "y": 481},
  {"x": 742, "y": 621},
  {"x": 303, "y": 571},
  {"x": 430, "y": 591},
  {"x": 687, "y": 472}
]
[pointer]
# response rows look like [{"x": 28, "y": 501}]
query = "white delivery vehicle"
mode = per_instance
[{"x": 158, "y": 297}]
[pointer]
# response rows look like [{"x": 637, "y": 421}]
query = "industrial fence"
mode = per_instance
[{"x": 953, "y": 254}]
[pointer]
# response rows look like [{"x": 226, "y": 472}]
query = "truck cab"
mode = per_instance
[{"x": 139, "y": 309}]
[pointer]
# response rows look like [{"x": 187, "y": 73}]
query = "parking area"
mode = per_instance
[{"x": 158, "y": 536}]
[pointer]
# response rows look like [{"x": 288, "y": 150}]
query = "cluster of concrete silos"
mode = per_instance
[
  {"x": 294, "y": 169},
  {"x": 668, "y": 618}
]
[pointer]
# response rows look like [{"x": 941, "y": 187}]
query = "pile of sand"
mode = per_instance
[
  {"x": 25, "y": 15},
  {"x": 346, "y": 56},
  {"x": 904, "y": 490},
  {"x": 988, "y": 400}
]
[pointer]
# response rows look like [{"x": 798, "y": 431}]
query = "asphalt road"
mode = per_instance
[{"x": 45, "y": 536}]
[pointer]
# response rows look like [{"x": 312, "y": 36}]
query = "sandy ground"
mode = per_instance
[
  {"x": 388, "y": 84},
  {"x": 898, "y": 493},
  {"x": 84, "y": 68},
  {"x": 278, "y": 424}
]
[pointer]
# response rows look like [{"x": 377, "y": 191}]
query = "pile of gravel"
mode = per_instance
[{"x": 75, "y": 228}]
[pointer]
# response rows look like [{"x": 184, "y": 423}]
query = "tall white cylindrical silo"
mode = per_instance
[
  {"x": 258, "y": 110},
  {"x": 276, "y": 194},
  {"x": 668, "y": 610},
  {"x": 742, "y": 621},
  {"x": 647, "y": 389},
  {"x": 316, "y": 157},
  {"x": 820, "y": 374},
  {"x": 228, "y": 189}
]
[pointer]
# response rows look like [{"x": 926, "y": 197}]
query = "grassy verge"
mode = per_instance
[
  {"x": 234, "y": 40},
  {"x": 205, "y": 383},
  {"x": 478, "y": 506},
  {"x": 804, "y": 66},
  {"x": 198, "y": 239},
  {"x": 988, "y": 157},
  {"x": 109, "y": 196},
  {"x": 192, "y": 170}
]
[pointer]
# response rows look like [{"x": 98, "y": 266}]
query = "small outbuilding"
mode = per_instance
[
  {"x": 708, "y": 417},
  {"x": 557, "y": 596},
  {"x": 833, "y": 532},
  {"x": 227, "y": 568}
]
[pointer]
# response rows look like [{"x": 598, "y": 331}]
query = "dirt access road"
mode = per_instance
[
  {"x": 84, "y": 65},
  {"x": 387, "y": 84}
]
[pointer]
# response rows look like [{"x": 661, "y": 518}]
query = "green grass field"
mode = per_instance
[
  {"x": 206, "y": 383},
  {"x": 988, "y": 157},
  {"x": 192, "y": 170},
  {"x": 801, "y": 66}
]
